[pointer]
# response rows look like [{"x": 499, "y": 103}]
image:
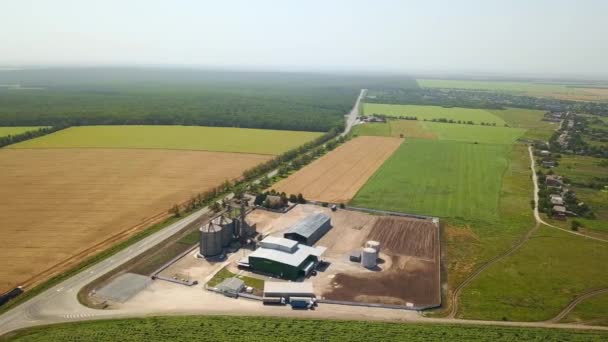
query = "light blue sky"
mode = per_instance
[{"x": 552, "y": 37}]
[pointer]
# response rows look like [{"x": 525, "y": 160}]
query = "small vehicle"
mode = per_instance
[{"x": 333, "y": 207}]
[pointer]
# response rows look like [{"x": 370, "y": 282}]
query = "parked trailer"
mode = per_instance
[{"x": 273, "y": 301}]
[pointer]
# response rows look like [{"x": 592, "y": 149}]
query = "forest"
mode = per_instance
[{"x": 72, "y": 97}]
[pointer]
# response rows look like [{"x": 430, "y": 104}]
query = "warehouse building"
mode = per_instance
[
  {"x": 283, "y": 258},
  {"x": 288, "y": 289},
  {"x": 310, "y": 229}
]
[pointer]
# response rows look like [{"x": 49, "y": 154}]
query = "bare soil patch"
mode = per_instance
[
  {"x": 411, "y": 273},
  {"x": 60, "y": 204},
  {"x": 337, "y": 176}
]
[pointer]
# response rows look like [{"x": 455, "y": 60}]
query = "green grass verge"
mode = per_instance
[
  {"x": 538, "y": 281},
  {"x": 433, "y": 112},
  {"x": 226, "y": 328},
  {"x": 224, "y": 274},
  {"x": 4, "y": 131},
  {"x": 439, "y": 178},
  {"x": 221, "y": 139},
  {"x": 592, "y": 310}
]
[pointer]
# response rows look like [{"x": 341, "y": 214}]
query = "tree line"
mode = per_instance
[{"x": 15, "y": 138}]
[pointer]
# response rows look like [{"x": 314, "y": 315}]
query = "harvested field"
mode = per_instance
[
  {"x": 60, "y": 204},
  {"x": 415, "y": 238},
  {"x": 337, "y": 176},
  {"x": 411, "y": 273}
]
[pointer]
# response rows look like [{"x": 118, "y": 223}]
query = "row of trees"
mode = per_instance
[
  {"x": 15, "y": 138},
  {"x": 255, "y": 179}
]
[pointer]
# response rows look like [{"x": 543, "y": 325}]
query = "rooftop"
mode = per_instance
[
  {"x": 294, "y": 258},
  {"x": 309, "y": 225},
  {"x": 272, "y": 242},
  {"x": 559, "y": 208}
]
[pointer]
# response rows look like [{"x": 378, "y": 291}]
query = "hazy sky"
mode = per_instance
[{"x": 557, "y": 37}]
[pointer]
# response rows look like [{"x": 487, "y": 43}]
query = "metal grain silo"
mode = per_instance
[
  {"x": 227, "y": 225},
  {"x": 368, "y": 257},
  {"x": 211, "y": 240}
]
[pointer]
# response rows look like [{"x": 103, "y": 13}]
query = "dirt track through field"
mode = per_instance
[
  {"x": 58, "y": 204},
  {"x": 337, "y": 176}
]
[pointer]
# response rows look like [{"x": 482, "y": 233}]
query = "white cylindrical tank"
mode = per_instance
[
  {"x": 373, "y": 244},
  {"x": 211, "y": 240},
  {"x": 368, "y": 257}
]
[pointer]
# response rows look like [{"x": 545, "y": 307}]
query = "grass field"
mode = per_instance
[
  {"x": 4, "y": 131},
  {"x": 562, "y": 91},
  {"x": 441, "y": 131},
  {"x": 58, "y": 203},
  {"x": 219, "y": 139},
  {"x": 539, "y": 280},
  {"x": 590, "y": 311},
  {"x": 474, "y": 133},
  {"x": 440, "y": 178},
  {"x": 227, "y": 328},
  {"x": 581, "y": 169},
  {"x": 395, "y": 128},
  {"x": 337, "y": 176},
  {"x": 433, "y": 112},
  {"x": 529, "y": 119}
]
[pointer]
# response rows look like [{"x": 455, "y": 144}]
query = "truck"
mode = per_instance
[{"x": 301, "y": 302}]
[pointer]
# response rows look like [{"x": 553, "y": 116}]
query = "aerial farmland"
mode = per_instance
[
  {"x": 337, "y": 176},
  {"x": 89, "y": 184}
]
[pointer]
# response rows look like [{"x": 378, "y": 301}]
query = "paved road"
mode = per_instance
[
  {"x": 60, "y": 304},
  {"x": 351, "y": 118}
]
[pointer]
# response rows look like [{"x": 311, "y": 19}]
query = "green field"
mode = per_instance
[
  {"x": 433, "y": 112},
  {"x": 529, "y": 119},
  {"x": 4, "y": 131},
  {"x": 570, "y": 91},
  {"x": 592, "y": 310},
  {"x": 538, "y": 281},
  {"x": 439, "y": 178},
  {"x": 219, "y": 139},
  {"x": 227, "y": 328},
  {"x": 441, "y": 131},
  {"x": 581, "y": 169},
  {"x": 474, "y": 133},
  {"x": 492, "y": 85}
]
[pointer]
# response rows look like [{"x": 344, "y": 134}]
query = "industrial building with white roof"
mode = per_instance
[{"x": 283, "y": 258}]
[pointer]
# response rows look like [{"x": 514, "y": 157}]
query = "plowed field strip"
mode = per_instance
[{"x": 337, "y": 176}]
